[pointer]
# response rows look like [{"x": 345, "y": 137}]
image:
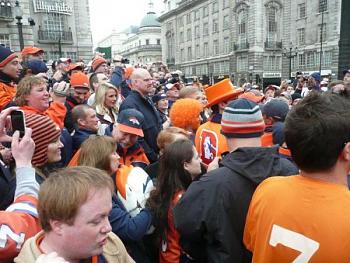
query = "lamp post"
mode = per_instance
[
  {"x": 323, "y": 6},
  {"x": 290, "y": 53},
  {"x": 18, "y": 12}
]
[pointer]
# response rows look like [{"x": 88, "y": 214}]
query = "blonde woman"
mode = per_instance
[{"x": 106, "y": 105}]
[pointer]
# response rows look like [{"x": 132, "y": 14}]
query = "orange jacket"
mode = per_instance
[
  {"x": 7, "y": 93},
  {"x": 170, "y": 248},
  {"x": 267, "y": 139},
  {"x": 56, "y": 112},
  {"x": 18, "y": 223}
]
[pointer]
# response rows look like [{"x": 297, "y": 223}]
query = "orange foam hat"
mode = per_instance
[{"x": 221, "y": 91}]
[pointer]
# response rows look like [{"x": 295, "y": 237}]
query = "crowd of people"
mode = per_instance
[{"x": 122, "y": 163}]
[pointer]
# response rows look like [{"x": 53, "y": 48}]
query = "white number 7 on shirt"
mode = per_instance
[{"x": 294, "y": 240}]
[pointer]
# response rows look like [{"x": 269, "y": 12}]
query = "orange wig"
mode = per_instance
[{"x": 185, "y": 114}]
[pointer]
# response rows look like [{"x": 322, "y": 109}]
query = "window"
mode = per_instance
[
  {"x": 226, "y": 4},
  {"x": 310, "y": 59},
  {"x": 140, "y": 42},
  {"x": 226, "y": 22},
  {"x": 272, "y": 23},
  {"x": 181, "y": 21},
  {"x": 196, "y": 32},
  {"x": 242, "y": 22},
  {"x": 301, "y": 10},
  {"x": 215, "y": 47},
  {"x": 5, "y": 40},
  {"x": 215, "y": 7},
  {"x": 198, "y": 51},
  {"x": 158, "y": 41},
  {"x": 215, "y": 26},
  {"x": 272, "y": 63},
  {"x": 327, "y": 58},
  {"x": 301, "y": 36},
  {"x": 182, "y": 39},
  {"x": 205, "y": 49},
  {"x": 54, "y": 22},
  {"x": 182, "y": 54},
  {"x": 189, "y": 53},
  {"x": 188, "y": 18},
  {"x": 72, "y": 55},
  {"x": 226, "y": 45},
  {"x": 196, "y": 15},
  {"x": 301, "y": 58},
  {"x": 147, "y": 41},
  {"x": 205, "y": 11},
  {"x": 322, "y": 32},
  {"x": 205, "y": 29},
  {"x": 322, "y": 6},
  {"x": 189, "y": 34},
  {"x": 242, "y": 63},
  {"x": 54, "y": 55}
]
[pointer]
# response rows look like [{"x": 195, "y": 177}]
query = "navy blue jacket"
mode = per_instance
[
  {"x": 117, "y": 76},
  {"x": 79, "y": 136},
  {"x": 129, "y": 229},
  {"x": 152, "y": 125}
]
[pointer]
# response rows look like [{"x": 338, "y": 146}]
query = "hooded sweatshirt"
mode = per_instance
[{"x": 211, "y": 214}]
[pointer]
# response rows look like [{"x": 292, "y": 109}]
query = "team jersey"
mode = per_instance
[
  {"x": 209, "y": 142},
  {"x": 17, "y": 223},
  {"x": 298, "y": 219}
]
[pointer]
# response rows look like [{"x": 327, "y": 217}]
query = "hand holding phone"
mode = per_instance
[{"x": 18, "y": 122}]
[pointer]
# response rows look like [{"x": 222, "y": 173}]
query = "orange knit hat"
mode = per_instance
[
  {"x": 79, "y": 80},
  {"x": 221, "y": 91},
  {"x": 128, "y": 71},
  {"x": 97, "y": 62}
]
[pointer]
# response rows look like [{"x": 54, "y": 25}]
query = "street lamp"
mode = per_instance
[
  {"x": 18, "y": 12},
  {"x": 291, "y": 53}
]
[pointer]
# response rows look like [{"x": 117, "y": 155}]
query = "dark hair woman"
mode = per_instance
[{"x": 179, "y": 164}]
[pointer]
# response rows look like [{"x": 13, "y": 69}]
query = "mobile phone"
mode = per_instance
[{"x": 18, "y": 122}]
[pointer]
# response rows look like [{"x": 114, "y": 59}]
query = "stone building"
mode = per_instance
[
  {"x": 61, "y": 28},
  {"x": 250, "y": 40},
  {"x": 144, "y": 46}
]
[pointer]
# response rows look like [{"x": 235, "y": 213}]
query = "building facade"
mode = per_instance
[
  {"x": 61, "y": 28},
  {"x": 251, "y": 40},
  {"x": 144, "y": 46}
]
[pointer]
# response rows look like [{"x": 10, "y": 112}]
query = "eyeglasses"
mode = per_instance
[{"x": 147, "y": 80}]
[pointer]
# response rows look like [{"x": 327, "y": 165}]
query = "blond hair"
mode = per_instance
[
  {"x": 101, "y": 96},
  {"x": 24, "y": 88}
]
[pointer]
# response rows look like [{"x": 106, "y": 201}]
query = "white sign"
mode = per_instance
[{"x": 267, "y": 75}]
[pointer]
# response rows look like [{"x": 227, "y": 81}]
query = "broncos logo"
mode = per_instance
[
  {"x": 134, "y": 121},
  {"x": 208, "y": 146}
]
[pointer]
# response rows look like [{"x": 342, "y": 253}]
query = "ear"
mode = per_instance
[
  {"x": 57, "y": 227},
  {"x": 346, "y": 152},
  {"x": 81, "y": 122},
  {"x": 186, "y": 166}
]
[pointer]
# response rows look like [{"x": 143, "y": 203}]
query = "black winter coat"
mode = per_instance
[{"x": 211, "y": 214}]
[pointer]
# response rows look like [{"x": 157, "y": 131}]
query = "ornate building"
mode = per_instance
[
  {"x": 61, "y": 28},
  {"x": 251, "y": 40},
  {"x": 144, "y": 46}
]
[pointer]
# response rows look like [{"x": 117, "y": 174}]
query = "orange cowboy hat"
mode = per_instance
[{"x": 221, "y": 91}]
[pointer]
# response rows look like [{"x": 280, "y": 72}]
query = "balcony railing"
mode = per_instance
[
  {"x": 241, "y": 46},
  {"x": 273, "y": 45},
  {"x": 5, "y": 11},
  {"x": 46, "y": 36}
]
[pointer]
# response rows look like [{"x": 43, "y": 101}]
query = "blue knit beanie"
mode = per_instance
[
  {"x": 242, "y": 118},
  {"x": 6, "y": 56},
  {"x": 37, "y": 66}
]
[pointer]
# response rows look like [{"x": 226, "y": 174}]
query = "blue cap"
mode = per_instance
[
  {"x": 316, "y": 76},
  {"x": 37, "y": 66}
]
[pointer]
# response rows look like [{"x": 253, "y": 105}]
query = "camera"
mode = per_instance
[{"x": 125, "y": 61}]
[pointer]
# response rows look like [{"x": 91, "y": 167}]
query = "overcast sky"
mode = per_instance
[{"x": 107, "y": 15}]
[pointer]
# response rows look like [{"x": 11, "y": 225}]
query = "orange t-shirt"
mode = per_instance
[{"x": 298, "y": 219}]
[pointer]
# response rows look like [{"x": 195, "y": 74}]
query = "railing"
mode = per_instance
[
  {"x": 55, "y": 36},
  {"x": 273, "y": 45},
  {"x": 241, "y": 46},
  {"x": 5, "y": 11}
]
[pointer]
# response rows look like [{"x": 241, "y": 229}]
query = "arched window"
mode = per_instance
[{"x": 242, "y": 26}]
